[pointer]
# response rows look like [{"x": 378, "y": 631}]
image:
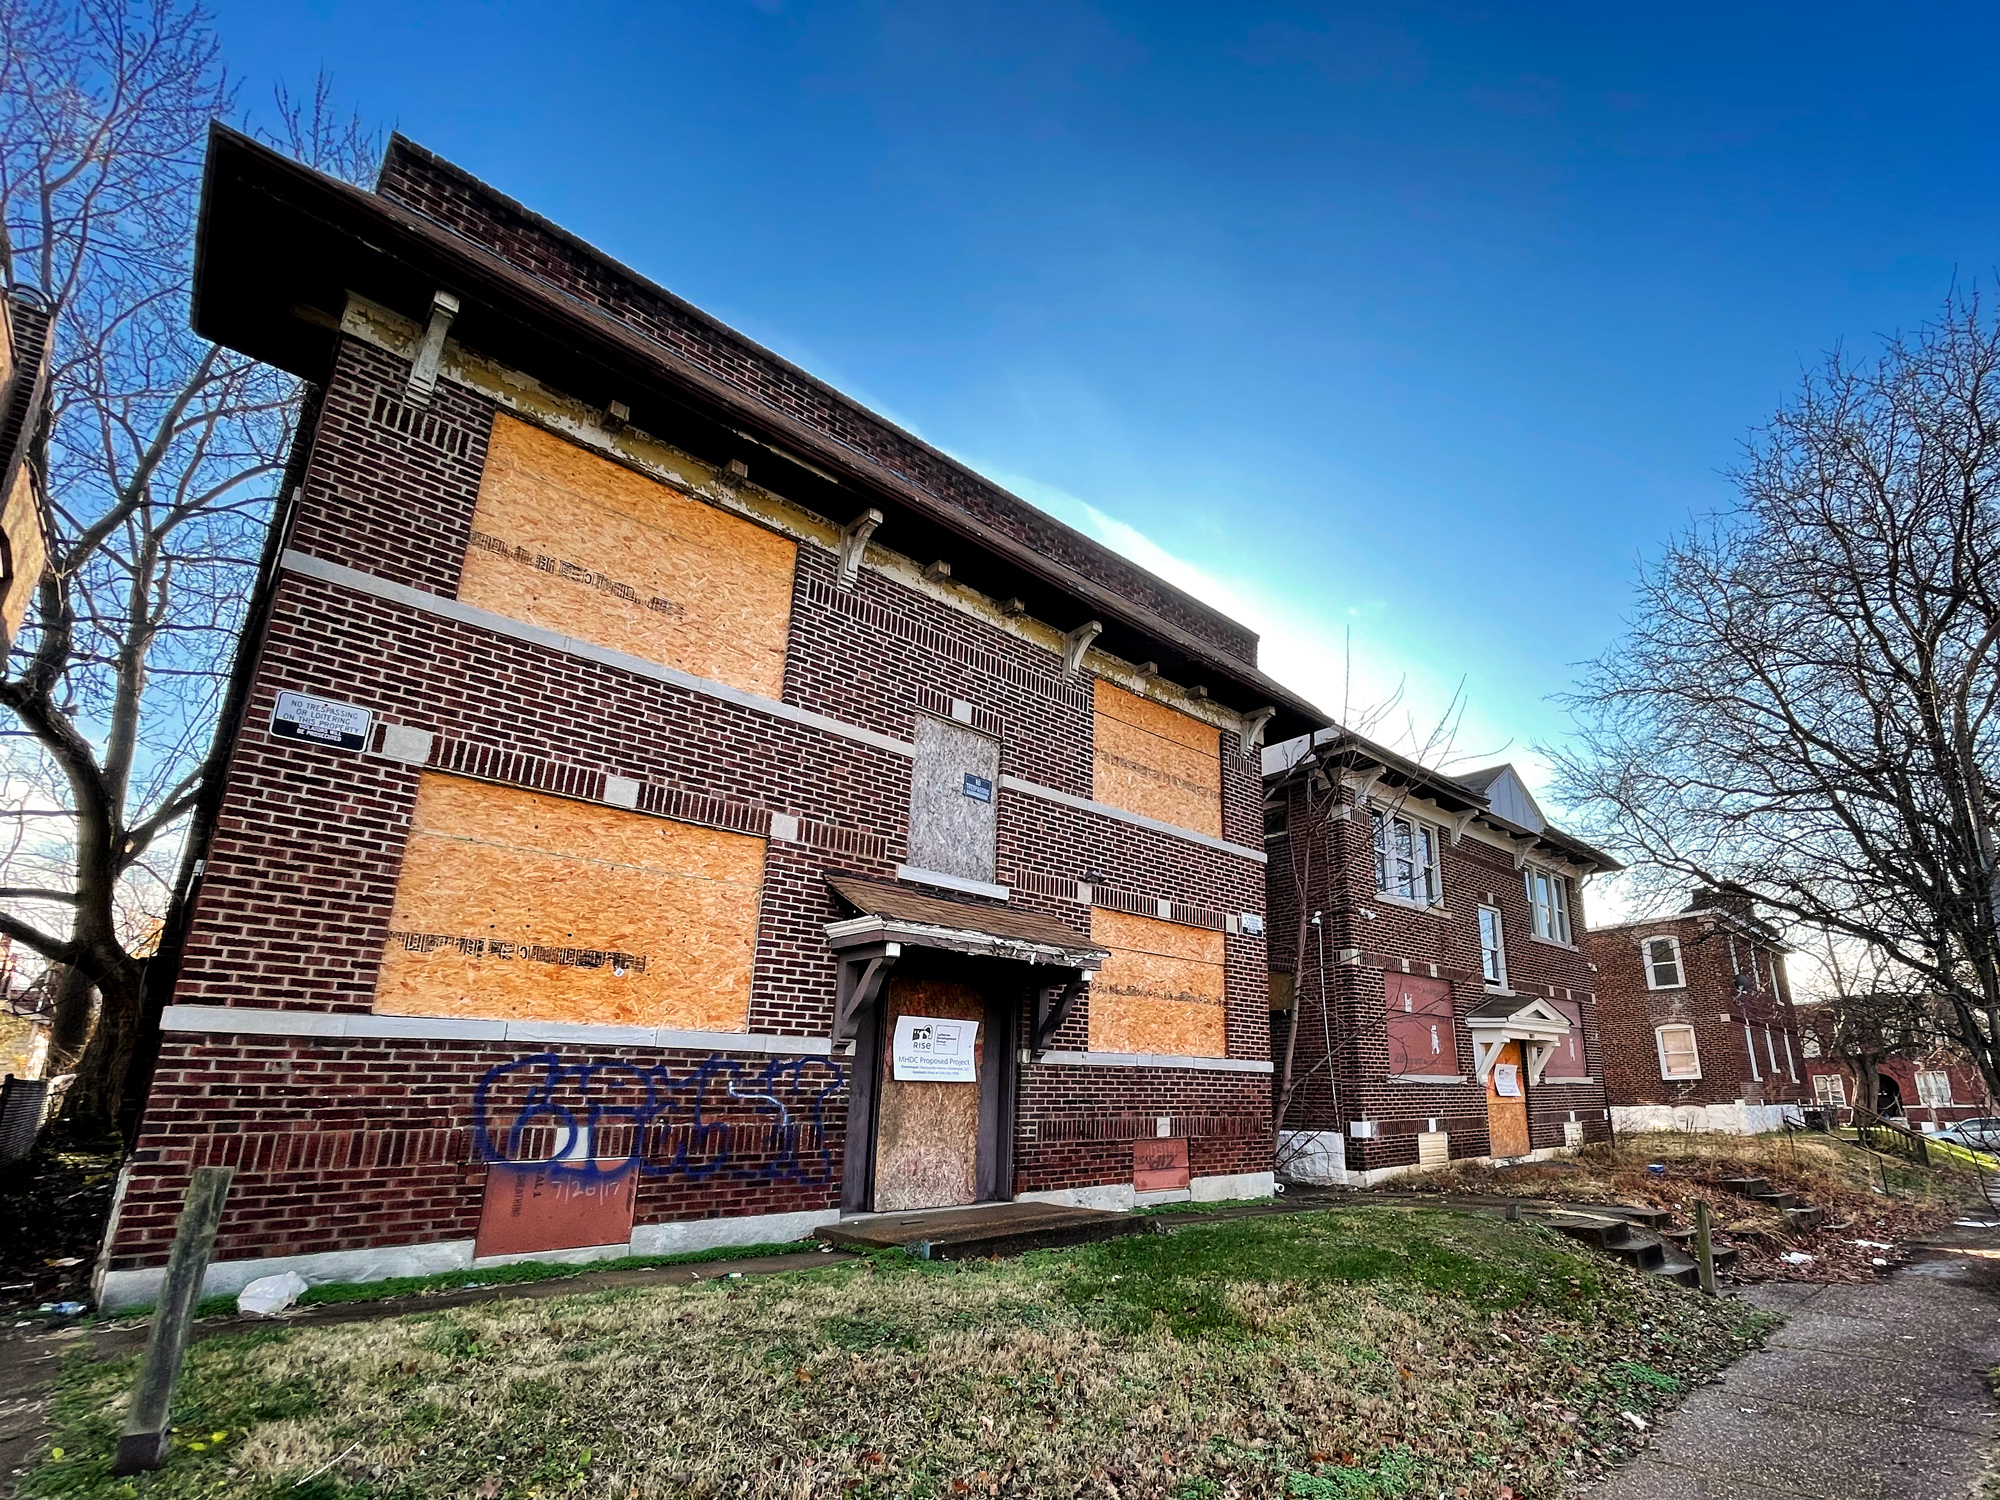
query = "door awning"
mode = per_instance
[
  {"x": 895, "y": 917},
  {"x": 898, "y": 914},
  {"x": 1537, "y": 1025}
]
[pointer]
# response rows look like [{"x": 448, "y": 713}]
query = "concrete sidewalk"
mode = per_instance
[{"x": 1868, "y": 1393}]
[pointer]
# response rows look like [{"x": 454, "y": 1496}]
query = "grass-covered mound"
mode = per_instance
[{"x": 1364, "y": 1352}]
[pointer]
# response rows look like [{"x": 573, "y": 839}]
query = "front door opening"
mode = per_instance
[
  {"x": 1507, "y": 1104},
  {"x": 927, "y": 1132}
]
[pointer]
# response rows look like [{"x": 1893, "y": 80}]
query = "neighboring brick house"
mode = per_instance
[
  {"x": 1927, "y": 1086},
  {"x": 671, "y": 806},
  {"x": 1459, "y": 1016},
  {"x": 1699, "y": 1029}
]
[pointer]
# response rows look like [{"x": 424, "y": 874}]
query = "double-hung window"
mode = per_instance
[
  {"x": 1406, "y": 853},
  {"x": 1663, "y": 963},
  {"x": 1492, "y": 949},
  {"x": 1679, "y": 1057},
  {"x": 1933, "y": 1088},
  {"x": 1548, "y": 904},
  {"x": 1832, "y": 1090}
]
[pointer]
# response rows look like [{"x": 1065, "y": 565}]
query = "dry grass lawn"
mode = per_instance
[{"x": 1356, "y": 1353}]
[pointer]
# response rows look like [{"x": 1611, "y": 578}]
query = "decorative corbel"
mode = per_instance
[
  {"x": 1539, "y": 1054},
  {"x": 860, "y": 981},
  {"x": 1053, "y": 1006},
  {"x": 853, "y": 542},
  {"x": 424, "y": 368},
  {"x": 1364, "y": 787},
  {"x": 1485, "y": 1053},
  {"x": 1521, "y": 848},
  {"x": 1460, "y": 823},
  {"x": 1251, "y": 734},
  {"x": 1076, "y": 642}
]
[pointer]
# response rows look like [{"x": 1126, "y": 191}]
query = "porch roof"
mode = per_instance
[{"x": 899, "y": 914}]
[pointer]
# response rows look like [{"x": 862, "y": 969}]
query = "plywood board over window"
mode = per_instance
[
  {"x": 1156, "y": 761},
  {"x": 573, "y": 542},
  {"x": 515, "y": 905},
  {"x": 1161, "y": 990}
]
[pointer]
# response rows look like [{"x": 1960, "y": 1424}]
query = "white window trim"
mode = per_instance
[
  {"x": 1646, "y": 961},
  {"x": 1922, "y": 1102},
  {"x": 1558, "y": 882},
  {"x": 1498, "y": 983},
  {"x": 1824, "y": 1087},
  {"x": 1660, "y": 1046},
  {"x": 1750, "y": 1046},
  {"x": 1791, "y": 1067},
  {"x": 1434, "y": 870}
]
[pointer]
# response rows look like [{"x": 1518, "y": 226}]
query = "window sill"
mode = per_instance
[
  {"x": 1426, "y": 1078},
  {"x": 1412, "y": 903},
  {"x": 1662, "y": 989},
  {"x": 1552, "y": 943},
  {"x": 1573, "y": 1083},
  {"x": 1680, "y": 1078}
]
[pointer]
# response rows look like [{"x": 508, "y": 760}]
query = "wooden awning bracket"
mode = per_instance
[
  {"x": 861, "y": 976},
  {"x": 1053, "y": 1006}
]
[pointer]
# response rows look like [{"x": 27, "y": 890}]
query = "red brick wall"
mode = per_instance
[
  {"x": 351, "y": 1143},
  {"x": 1380, "y": 934},
  {"x": 413, "y": 177},
  {"x": 1707, "y": 1001}
]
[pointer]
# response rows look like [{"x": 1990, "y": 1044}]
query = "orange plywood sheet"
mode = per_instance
[
  {"x": 573, "y": 542},
  {"x": 1161, "y": 990},
  {"x": 516, "y": 905},
  {"x": 1153, "y": 760},
  {"x": 927, "y": 1134},
  {"x": 1507, "y": 1116}
]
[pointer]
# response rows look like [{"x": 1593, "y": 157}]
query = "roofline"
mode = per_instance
[
  {"x": 1750, "y": 926},
  {"x": 367, "y": 225},
  {"x": 1442, "y": 786}
]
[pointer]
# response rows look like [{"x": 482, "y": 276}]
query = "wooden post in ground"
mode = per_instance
[
  {"x": 1704, "y": 1246},
  {"x": 143, "y": 1443}
]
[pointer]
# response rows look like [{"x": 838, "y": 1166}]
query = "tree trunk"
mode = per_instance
[
  {"x": 71, "y": 1015},
  {"x": 91, "y": 1106}
]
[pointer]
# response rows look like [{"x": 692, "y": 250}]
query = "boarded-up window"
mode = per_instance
[
  {"x": 1421, "y": 1036},
  {"x": 1569, "y": 1059},
  {"x": 1160, "y": 991},
  {"x": 520, "y": 906},
  {"x": 1153, "y": 760},
  {"x": 954, "y": 796},
  {"x": 567, "y": 540},
  {"x": 1832, "y": 1090}
]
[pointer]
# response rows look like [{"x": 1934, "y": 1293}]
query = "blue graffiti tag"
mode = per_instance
[{"x": 594, "y": 1119}]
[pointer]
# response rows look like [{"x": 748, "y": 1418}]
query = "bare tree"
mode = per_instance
[
  {"x": 1863, "y": 1008},
  {"x": 1802, "y": 709},
  {"x": 159, "y": 461}
]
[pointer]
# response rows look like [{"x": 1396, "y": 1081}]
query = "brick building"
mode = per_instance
[
  {"x": 1699, "y": 1028},
  {"x": 1459, "y": 1018},
  {"x": 669, "y": 805},
  {"x": 1920, "y": 1084}
]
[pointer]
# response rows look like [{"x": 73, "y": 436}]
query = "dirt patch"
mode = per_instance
[{"x": 53, "y": 1207}]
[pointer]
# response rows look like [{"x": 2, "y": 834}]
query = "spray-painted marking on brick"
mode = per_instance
[{"x": 608, "y": 1117}]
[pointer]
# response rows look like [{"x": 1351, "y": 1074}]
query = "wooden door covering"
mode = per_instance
[
  {"x": 1507, "y": 1118},
  {"x": 927, "y": 1134}
]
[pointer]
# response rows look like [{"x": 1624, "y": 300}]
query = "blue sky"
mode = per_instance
[{"x": 1412, "y": 325}]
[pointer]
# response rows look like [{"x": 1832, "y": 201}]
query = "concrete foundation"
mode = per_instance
[
  {"x": 1735, "y": 1118},
  {"x": 1119, "y": 1196},
  {"x": 138, "y": 1288}
]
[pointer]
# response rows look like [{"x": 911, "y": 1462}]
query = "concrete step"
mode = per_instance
[
  {"x": 1628, "y": 1242},
  {"x": 1749, "y": 1187},
  {"x": 1651, "y": 1218},
  {"x": 1805, "y": 1216},
  {"x": 1682, "y": 1241},
  {"x": 1681, "y": 1268},
  {"x": 1778, "y": 1200}
]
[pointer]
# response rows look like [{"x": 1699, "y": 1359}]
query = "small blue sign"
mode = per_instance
[{"x": 978, "y": 788}]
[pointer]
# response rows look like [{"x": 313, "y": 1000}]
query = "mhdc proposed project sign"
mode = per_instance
[
  {"x": 321, "y": 721},
  {"x": 929, "y": 1050}
]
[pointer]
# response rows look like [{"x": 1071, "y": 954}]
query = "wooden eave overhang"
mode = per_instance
[
  {"x": 1354, "y": 752},
  {"x": 279, "y": 247}
]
